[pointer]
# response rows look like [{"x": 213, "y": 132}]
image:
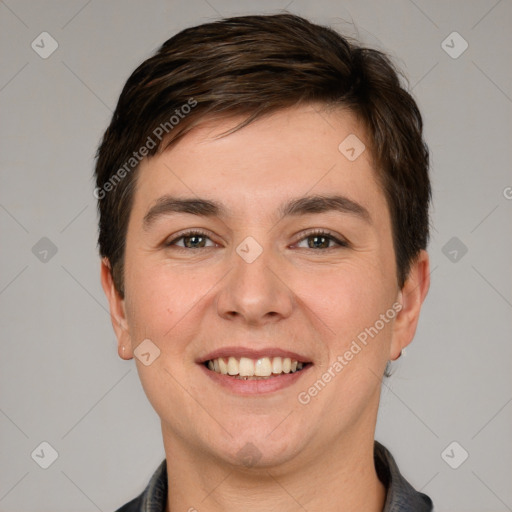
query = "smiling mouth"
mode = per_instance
[{"x": 244, "y": 368}]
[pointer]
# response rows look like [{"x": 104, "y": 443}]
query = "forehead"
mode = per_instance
[{"x": 290, "y": 153}]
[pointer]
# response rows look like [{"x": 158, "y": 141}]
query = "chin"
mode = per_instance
[{"x": 258, "y": 447}]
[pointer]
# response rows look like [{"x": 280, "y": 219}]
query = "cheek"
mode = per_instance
[
  {"x": 347, "y": 299},
  {"x": 161, "y": 296},
  {"x": 160, "y": 307},
  {"x": 350, "y": 303}
]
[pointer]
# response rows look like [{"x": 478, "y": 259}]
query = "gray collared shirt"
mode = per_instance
[{"x": 400, "y": 497}]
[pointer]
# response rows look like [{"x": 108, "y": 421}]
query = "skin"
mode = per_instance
[{"x": 313, "y": 301}]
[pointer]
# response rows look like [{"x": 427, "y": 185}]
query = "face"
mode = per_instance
[{"x": 251, "y": 256}]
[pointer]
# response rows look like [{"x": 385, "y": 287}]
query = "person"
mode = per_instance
[{"x": 263, "y": 190}]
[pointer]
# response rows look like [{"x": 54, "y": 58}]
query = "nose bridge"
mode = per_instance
[{"x": 253, "y": 289}]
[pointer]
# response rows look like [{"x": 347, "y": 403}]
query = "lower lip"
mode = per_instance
[{"x": 257, "y": 386}]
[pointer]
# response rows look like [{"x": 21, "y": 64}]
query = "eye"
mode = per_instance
[
  {"x": 319, "y": 239},
  {"x": 191, "y": 240}
]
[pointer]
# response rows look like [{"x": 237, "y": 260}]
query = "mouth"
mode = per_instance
[
  {"x": 249, "y": 372},
  {"x": 261, "y": 368}
]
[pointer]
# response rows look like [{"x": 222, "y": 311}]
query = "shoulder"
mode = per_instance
[
  {"x": 132, "y": 506},
  {"x": 154, "y": 496},
  {"x": 401, "y": 496}
]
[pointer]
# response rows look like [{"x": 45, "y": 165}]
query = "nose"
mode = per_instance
[{"x": 255, "y": 291}]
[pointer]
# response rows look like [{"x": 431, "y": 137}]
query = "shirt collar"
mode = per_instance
[{"x": 400, "y": 495}]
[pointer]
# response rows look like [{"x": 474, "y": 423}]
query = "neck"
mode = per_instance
[{"x": 343, "y": 478}]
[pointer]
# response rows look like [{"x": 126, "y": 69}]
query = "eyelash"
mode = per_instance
[{"x": 314, "y": 232}]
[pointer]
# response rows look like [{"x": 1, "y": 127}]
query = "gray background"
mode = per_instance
[{"x": 61, "y": 379}]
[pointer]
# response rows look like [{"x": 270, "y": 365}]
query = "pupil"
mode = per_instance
[
  {"x": 193, "y": 239},
  {"x": 324, "y": 242}
]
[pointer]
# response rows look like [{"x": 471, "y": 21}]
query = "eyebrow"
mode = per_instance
[{"x": 167, "y": 205}]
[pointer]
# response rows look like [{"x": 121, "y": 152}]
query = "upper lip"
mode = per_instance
[{"x": 253, "y": 354}]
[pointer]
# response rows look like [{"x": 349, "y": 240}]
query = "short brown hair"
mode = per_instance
[{"x": 256, "y": 65}]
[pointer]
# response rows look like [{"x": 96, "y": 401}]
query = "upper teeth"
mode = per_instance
[{"x": 245, "y": 367}]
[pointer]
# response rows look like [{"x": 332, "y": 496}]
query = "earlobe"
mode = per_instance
[
  {"x": 117, "y": 311},
  {"x": 123, "y": 353},
  {"x": 411, "y": 297}
]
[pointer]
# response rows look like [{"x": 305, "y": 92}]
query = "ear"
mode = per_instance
[
  {"x": 411, "y": 296},
  {"x": 117, "y": 311}
]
